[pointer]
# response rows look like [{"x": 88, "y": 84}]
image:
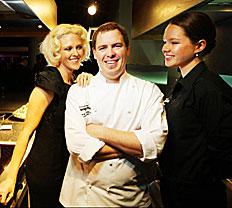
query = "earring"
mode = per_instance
[{"x": 196, "y": 54}]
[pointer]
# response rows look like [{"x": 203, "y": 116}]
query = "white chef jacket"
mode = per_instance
[{"x": 130, "y": 105}]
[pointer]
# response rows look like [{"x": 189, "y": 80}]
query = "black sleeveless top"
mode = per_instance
[{"x": 47, "y": 160}]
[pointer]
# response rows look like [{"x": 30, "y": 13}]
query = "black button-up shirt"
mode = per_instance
[{"x": 199, "y": 116}]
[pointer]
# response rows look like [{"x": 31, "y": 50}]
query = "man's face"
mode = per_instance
[{"x": 111, "y": 54}]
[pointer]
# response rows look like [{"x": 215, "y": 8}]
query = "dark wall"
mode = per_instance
[{"x": 220, "y": 60}]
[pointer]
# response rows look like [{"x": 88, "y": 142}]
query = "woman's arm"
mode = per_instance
[{"x": 38, "y": 102}]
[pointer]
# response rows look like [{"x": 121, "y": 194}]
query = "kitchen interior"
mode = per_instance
[{"x": 24, "y": 24}]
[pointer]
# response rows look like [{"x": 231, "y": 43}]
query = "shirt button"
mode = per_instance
[{"x": 129, "y": 112}]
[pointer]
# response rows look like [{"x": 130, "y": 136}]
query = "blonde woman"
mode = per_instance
[{"x": 64, "y": 48}]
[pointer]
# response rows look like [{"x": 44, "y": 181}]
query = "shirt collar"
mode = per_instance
[
  {"x": 191, "y": 77},
  {"x": 100, "y": 78}
]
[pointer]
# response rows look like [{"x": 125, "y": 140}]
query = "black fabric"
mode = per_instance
[
  {"x": 45, "y": 199},
  {"x": 46, "y": 163},
  {"x": 198, "y": 116},
  {"x": 182, "y": 195},
  {"x": 50, "y": 79}
]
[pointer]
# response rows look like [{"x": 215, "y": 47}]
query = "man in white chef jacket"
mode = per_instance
[{"x": 116, "y": 115}]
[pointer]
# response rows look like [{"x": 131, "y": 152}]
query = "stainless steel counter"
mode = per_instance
[{"x": 9, "y": 136}]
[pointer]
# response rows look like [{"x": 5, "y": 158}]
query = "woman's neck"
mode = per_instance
[
  {"x": 66, "y": 74},
  {"x": 187, "y": 68}
]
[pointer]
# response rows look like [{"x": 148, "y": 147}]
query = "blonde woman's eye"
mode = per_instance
[
  {"x": 68, "y": 49},
  {"x": 79, "y": 47}
]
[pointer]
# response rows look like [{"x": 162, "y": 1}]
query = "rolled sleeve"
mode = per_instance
[
  {"x": 154, "y": 127},
  {"x": 79, "y": 142},
  {"x": 148, "y": 144}
]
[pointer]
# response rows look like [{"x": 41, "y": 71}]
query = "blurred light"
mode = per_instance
[
  {"x": 92, "y": 9},
  {"x": 7, "y": 5},
  {"x": 14, "y": 2}
]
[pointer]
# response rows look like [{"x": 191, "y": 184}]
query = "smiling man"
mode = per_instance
[{"x": 116, "y": 116}]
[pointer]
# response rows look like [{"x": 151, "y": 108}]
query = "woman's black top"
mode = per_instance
[
  {"x": 199, "y": 114},
  {"x": 46, "y": 163}
]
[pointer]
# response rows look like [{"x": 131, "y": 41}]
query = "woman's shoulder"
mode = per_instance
[
  {"x": 50, "y": 79},
  {"x": 49, "y": 72},
  {"x": 209, "y": 81}
]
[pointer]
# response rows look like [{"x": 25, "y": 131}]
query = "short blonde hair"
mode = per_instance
[{"x": 51, "y": 45}]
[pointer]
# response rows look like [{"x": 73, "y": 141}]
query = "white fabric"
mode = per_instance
[{"x": 131, "y": 105}]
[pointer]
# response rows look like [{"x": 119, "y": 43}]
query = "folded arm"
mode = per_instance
[
  {"x": 124, "y": 141},
  {"x": 106, "y": 153},
  {"x": 98, "y": 141},
  {"x": 145, "y": 142}
]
